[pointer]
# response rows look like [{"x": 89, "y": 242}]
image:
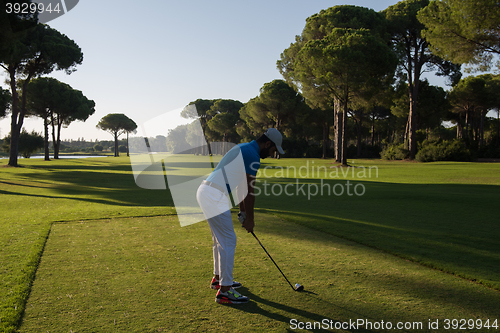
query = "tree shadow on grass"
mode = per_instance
[
  {"x": 103, "y": 188},
  {"x": 451, "y": 227},
  {"x": 472, "y": 257},
  {"x": 97, "y": 181},
  {"x": 436, "y": 289}
]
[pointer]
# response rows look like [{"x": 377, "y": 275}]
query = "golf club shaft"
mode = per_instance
[{"x": 273, "y": 260}]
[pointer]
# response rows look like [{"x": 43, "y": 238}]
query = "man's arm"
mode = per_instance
[{"x": 247, "y": 204}]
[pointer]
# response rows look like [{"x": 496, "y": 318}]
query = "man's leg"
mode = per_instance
[
  {"x": 215, "y": 256},
  {"x": 224, "y": 248},
  {"x": 216, "y": 207}
]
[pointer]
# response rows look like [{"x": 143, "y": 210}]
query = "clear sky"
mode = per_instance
[{"x": 146, "y": 58}]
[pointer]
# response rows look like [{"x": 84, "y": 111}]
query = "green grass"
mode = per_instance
[
  {"x": 40, "y": 193},
  {"x": 443, "y": 215},
  {"x": 113, "y": 245},
  {"x": 150, "y": 275}
]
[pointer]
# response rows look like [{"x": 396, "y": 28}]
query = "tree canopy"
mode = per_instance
[
  {"x": 470, "y": 99},
  {"x": 117, "y": 124},
  {"x": 27, "y": 50},
  {"x": 58, "y": 104},
  {"x": 463, "y": 31},
  {"x": 278, "y": 105},
  {"x": 340, "y": 52}
]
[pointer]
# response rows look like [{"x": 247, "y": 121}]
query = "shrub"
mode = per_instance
[
  {"x": 98, "y": 147},
  {"x": 395, "y": 152},
  {"x": 28, "y": 143},
  {"x": 446, "y": 150}
]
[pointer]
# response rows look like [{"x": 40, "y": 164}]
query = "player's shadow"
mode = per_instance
[{"x": 255, "y": 300}]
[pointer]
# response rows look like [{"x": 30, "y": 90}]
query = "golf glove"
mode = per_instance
[{"x": 242, "y": 216}]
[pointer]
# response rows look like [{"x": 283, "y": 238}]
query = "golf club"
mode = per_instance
[{"x": 297, "y": 287}]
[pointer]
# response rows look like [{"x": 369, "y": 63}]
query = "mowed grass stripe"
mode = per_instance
[
  {"x": 443, "y": 215},
  {"x": 39, "y": 193},
  {"x": 151, "y": 275},
  {"x": 451, "y": 205},
  {"x": 451, "y": 227}
]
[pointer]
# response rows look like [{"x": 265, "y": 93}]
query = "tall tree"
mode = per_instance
[
  {"x": 58, "y": 104},
  {"x": 463, "y": 31},
  {"x": 281, "y": 103},
  {"x": 72, "y": 105},
  {"x": 26, "y": 54},
  {"x": 314, "y": 62},
  {"x": 342, "y": 63},
  {"x": 415, "y": 56},
  {"x": 116, "y": 124},
  {"x": 201, "y": 113},
  {"x": 471, "y": 98},
  {"x": 224, "y": 117},
  {"x": 40, "y": 102}
]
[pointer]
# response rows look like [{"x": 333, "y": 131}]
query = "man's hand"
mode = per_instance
[
  {"x": 249, "y": 224},
  {"x": 242, "y": 217}
]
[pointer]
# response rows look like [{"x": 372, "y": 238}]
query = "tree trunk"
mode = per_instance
[
  {"x": 415, "y": 64},
  {"x": 54, "y": 141},
  {"x": 344, "y": 128},
  {"x": 46, "y": 137},
  {"x": 460, "y": 129},
  {"x": 466, "y": 125},
  {"x": 338, "y": 124},
  {"x": 56, "y": 150},
  {"x": 128, "y": 154},
  {"x": 412, "y": 123},
  {"x": 208, "y": 143},
  {"x": 117, "y": 153},
  {"x": 15, "y": 129}
]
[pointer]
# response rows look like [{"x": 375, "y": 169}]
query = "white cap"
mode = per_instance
[{"x": 275, "y": 136}]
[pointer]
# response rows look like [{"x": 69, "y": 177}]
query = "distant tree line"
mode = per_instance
[{"x": 353, "y": 87}]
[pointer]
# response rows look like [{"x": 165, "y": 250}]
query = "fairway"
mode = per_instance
[
  {"x": 109, "y": 256},
  {"x": 150, "y": 275}
]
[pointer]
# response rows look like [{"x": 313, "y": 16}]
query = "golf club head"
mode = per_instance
[{"x": 298, "y": 287}]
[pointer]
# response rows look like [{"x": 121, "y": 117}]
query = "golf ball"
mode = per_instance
[{"x": 297, "y": 285}]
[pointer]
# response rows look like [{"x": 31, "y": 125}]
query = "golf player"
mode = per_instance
[{"x": 234, "y": 176}]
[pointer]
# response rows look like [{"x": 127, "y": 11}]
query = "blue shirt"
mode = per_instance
[
  {"x": 229, "y": 171},
  {"x": 251, "y": 157}
]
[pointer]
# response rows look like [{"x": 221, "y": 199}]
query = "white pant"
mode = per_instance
[{"x": 215, "y": 205}]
